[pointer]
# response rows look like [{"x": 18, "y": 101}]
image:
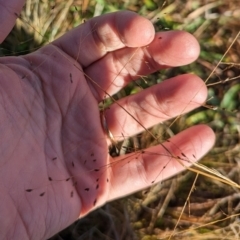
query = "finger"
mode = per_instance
[
  {"x": 9, "y": 10},
  {"x": 139, "y": 171},
  {"x": 95, "y": 38},
  {"x": 117, "y": 69},
  {"x": 161, "y": 102}
]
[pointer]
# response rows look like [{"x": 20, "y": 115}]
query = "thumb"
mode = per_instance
[{"x": 9, "y": 10}]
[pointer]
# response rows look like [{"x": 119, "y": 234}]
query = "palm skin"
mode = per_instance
[{"x": 54, "y": 151}]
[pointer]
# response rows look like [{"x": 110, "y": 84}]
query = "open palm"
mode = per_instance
[{"x": 54, "y": 162}]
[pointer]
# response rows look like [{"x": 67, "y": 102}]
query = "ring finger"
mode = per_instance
[{"x": 173, "y": 97}]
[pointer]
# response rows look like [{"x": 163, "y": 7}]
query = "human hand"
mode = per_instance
[{"x": 51, "y": 128}]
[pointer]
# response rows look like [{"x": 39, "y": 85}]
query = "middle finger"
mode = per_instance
[{"x": 115, "y": 70}]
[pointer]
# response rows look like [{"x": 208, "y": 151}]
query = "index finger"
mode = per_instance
[{"x": 104, "y": 34}]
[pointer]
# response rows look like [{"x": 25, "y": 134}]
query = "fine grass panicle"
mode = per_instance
[{"x": 203, "y": 201}]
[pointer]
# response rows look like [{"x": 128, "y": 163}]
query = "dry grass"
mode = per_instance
[{"x": 190, "y": 205}]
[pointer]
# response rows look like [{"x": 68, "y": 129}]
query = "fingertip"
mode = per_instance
[
  {"x": 196, "y": 141},
  {"x": 206, "y": 137},
  {"x": 176, "y": 48},
  {"x": 134, "y": 30},
  {"x": 195, "y": 85}
]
